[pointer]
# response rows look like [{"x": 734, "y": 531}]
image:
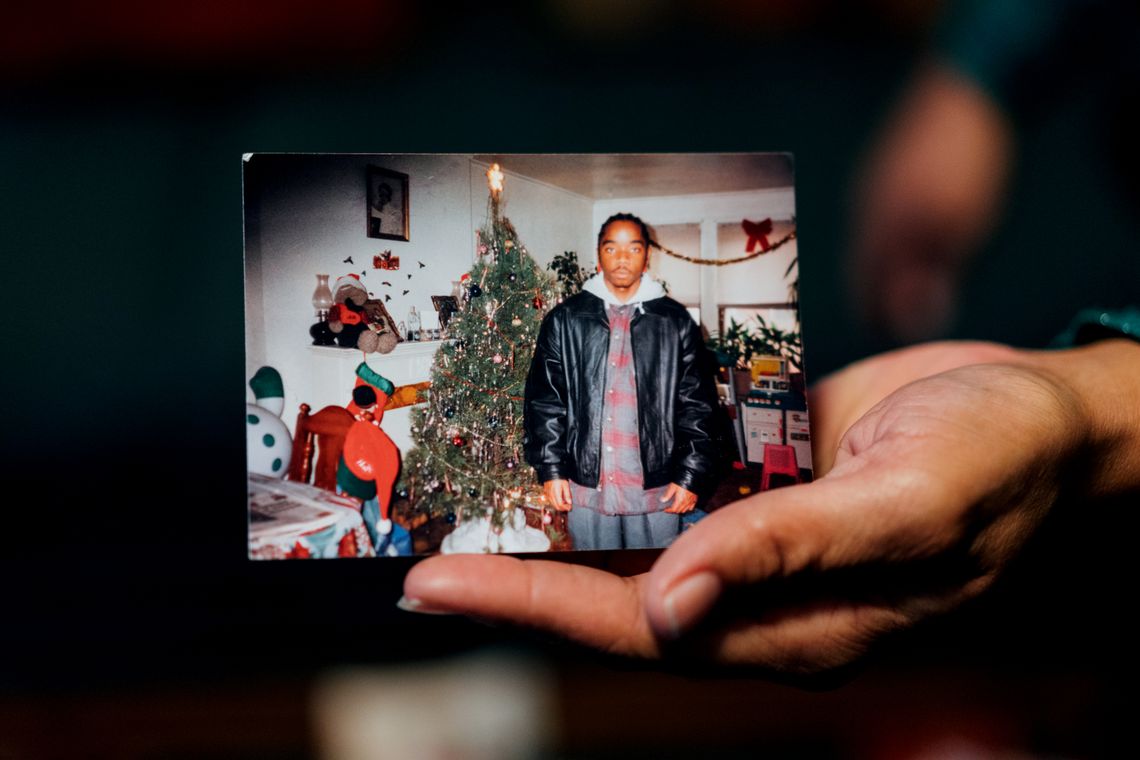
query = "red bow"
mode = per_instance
[{"x": 757, "y": 232}]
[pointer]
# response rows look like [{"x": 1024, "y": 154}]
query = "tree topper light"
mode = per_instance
[{"x": 495, "y": 179}]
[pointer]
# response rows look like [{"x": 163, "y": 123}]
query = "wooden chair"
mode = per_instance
[{"x": 322, "y": 433}]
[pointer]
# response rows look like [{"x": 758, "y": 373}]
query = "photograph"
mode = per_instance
[
  {"x": 385, "y": 419},
  {"x": 387, "y": 204}
]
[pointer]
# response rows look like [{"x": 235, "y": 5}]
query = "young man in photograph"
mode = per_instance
[{"x": 618, "y": 413}]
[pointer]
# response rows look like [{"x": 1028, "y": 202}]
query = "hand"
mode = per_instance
[
  {"x": 683, "y": 499},
  {"x": 929, "y": 194},
  {"x": 557, "y": 494},
  {"x": 936, "y": 470}
]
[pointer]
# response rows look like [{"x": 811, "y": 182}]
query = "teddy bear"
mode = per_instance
[{"x": 357, "y": 321}]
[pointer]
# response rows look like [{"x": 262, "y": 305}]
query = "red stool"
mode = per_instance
[{"x": 779, "y": 460}]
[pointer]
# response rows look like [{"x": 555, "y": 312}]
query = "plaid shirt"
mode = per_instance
[{"x": 620, "y": 488}]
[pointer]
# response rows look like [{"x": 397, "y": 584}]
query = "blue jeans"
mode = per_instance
[{"x": 591, "y": 530}]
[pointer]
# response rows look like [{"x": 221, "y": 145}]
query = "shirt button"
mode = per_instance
[
  {"x": 609, "y": 448},
  {"x": 611, "y": 478},
  {"x": 609, "y": 419},
  {"x": 611, "y": 390}
]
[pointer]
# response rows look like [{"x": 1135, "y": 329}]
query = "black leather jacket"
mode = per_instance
[{"x": 675, "y": 395}]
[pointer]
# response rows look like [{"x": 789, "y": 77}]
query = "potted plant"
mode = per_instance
[{"x": 734, "y": 351}]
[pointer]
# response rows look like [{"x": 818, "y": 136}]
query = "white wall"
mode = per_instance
[
  {"x": 310, "y": 215},
  {"x": 549, "y": 220}
]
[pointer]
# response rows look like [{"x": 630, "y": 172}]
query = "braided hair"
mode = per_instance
[{"x": 624, "y": 217}]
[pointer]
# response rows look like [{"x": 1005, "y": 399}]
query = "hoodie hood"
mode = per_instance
[{"x": 646, "y": 291}]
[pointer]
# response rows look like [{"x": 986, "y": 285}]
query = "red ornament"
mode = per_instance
[
  {"x": 458, "y": 440},
  {"x": 538, "y": 303}
]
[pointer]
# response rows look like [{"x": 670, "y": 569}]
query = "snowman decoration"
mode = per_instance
[{"x": 267, "y": 440}]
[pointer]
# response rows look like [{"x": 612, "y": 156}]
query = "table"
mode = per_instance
[{"x": 289, "y": 520}]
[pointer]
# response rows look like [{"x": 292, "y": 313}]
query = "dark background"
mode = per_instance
[{"x": 121, "y": 137}]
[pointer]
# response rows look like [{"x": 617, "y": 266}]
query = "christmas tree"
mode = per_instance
[{"x": 467, "y": 465}]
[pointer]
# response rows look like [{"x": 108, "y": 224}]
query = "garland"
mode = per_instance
[
  {"x": 468, "y": 383},
  {"x": 724, "y": 262}
]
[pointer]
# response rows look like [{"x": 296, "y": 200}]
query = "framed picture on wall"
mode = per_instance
[{"x": 387, "y": 216}]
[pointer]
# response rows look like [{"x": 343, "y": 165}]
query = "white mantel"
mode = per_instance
[{"x": 332, "y": 376}]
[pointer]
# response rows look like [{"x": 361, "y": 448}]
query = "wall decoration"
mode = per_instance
[
  {"x": 387, "y": 212},
  {"x": 385, "y": 261}
]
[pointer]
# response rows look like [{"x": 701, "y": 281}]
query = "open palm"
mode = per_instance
[{"x": 937, "y": 463}]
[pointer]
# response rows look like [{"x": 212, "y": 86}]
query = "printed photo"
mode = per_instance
[{"x": 549, "y": 352}]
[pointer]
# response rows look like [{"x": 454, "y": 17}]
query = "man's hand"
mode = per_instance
[
  {"x": 683, "y": 499},
  {"x": 937, "y": 463},
  {"x": 557, "y": 494}
]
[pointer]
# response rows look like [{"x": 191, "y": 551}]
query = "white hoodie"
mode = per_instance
[{"x": 646, "y": 291}]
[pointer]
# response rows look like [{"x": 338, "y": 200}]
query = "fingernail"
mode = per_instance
[
  {"x": 410, "y": 604},
  {"x": 690, "y": 600}
]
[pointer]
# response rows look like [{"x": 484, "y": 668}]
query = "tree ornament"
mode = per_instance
[
  {"x": 458, "y": 441},
  {"x": 448, "y": 412},
  {"x": 435, "y": 484},
  {"x": 516, "y": 322},
  {"x": 497, "y": 358},
  {"x": 402, "y": 493},
  {"x": 474, "y": 291},
  {"x": 547, "y": 518},
  {"x": 512, "y": 276},
  {"x": 450, "y": 518},
  {"x": 509, "y": 244},
  {"x": 493, "y": 422},
  {"x": 511, "y": 464},
  {"x": 472, "y": 492},
  {"x": 538, "y": 303}
]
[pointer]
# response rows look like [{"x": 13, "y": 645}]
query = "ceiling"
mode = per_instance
[{"x": 630, "y": 175}]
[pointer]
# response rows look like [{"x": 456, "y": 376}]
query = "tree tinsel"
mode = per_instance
[{"x": 478, "y": 378}]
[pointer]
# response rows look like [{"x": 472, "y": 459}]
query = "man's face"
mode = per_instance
[{"x": 622, "y": 256}]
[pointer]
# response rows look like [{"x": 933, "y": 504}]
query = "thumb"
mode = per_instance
[
  {"x": 669, "y": 493},
  {"x": 819, "y": 526}
]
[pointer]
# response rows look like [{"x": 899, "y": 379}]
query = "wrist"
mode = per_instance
[{"x": 1104, "y": 380}]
